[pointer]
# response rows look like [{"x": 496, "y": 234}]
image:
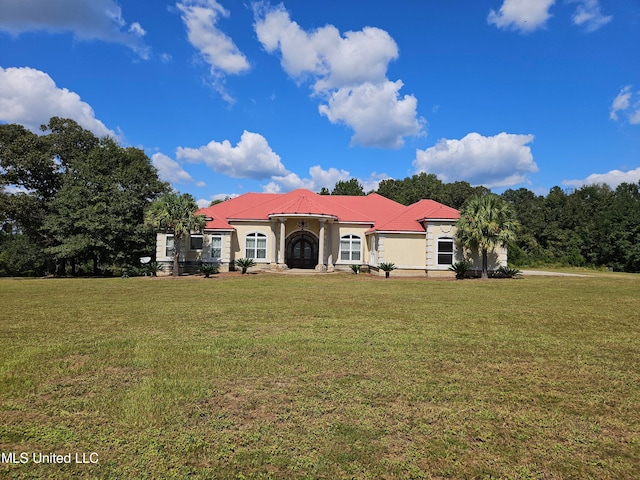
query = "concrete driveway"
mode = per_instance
[{"x": 551, "y": 274}]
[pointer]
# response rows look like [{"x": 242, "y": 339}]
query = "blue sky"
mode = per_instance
[{"x": 228, "y": 97}]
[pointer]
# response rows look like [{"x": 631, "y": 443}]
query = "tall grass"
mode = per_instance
[{"x": 328, "y": 376}]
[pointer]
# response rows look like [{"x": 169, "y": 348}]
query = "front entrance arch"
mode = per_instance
[{"x": 302, "y": 251}]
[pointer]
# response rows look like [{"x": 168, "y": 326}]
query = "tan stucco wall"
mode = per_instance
[
  {"x": 497, "y": 258},
  {"x": 405, "y": 250},
  {"x": 435, "y": 232},
  {"x": 237, "y": 247},
  {"x": 340, "y": 230}
]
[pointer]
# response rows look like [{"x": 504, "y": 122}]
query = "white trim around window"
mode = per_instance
[
  {"x": 350, "y": 249},
  {"x": 446, "y": 251},
  {"x": 216, "y": 247},
  {"x": 256, "y": 246}
]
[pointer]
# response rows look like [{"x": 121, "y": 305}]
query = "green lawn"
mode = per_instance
[{"x": 329, "y": 376}]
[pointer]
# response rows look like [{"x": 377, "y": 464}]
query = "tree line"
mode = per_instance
[
  {"x": 71, "y": 202},
  {"x": 74, "y": 203},
  {"x": 594, "y": 225}
]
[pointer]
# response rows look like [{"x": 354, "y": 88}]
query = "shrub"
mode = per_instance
[
  {"x": 508, "y": 272},
  {"x": 386, "y": 267},
  {"x": 244, "y": 264},
  {"x": 460, "y": 269},
  {"x": 208, "y": 269},
  {"x": 356, "y": 269},
  {"x": 151, "y": 269}
]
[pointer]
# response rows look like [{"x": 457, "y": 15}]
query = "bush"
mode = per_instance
[
  {"x": 244, "y": 264},
  {"x": 386, "y": 267},
  {"x": 460, "y": 269},
  {"x": 356, "y": 269},
  {"x": 151, "y": 269},
  {"x": 508, "y": 272},
  {"x": 208, "y": 269}
]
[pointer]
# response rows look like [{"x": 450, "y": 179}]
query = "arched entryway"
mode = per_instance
[{"x": 302, "y": 251}]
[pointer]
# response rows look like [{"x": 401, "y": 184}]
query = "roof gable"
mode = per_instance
[{"x": 411, "y": 218}]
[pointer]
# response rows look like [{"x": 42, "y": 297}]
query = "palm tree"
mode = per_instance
[
  {"x": 175, "y": 213},
  {"x": 386, "y": 267},
  {"x": 245, "y": 263},
  {"x": 485, "y": 222}
]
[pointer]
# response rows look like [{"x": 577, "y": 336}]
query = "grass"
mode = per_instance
[{"x": 329, "y": 376}]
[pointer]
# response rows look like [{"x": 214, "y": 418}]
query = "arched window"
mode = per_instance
[
  {"x": 350, "y": 248},
  {"x": 445, "y": 251},
  {"x": 256, "y": 246}
]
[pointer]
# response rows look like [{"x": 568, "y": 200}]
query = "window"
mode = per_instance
[
  {"x": 216, "y": 247},
  {"x": 445, "y": 251},
  {"x": 169, "y": 246},
  {"x": 350, "y": 248},
  {"x": 256, "y": 246},
  {"x": 195, "y": 242}
]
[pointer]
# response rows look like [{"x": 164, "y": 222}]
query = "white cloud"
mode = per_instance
[
  {"x": 627, "y": 102},
  {"x": 170, "y": 171},
  {"x": 349, "y": 71},
  {"x": 588, "y": 15},
  {"x": 203, "y": 202},
  {"x": 376, "y": 113},
  {"x": 137, "y": 30},
  {"x": 334, "y": 61},
  {"x": 523, "y": 15},
  {"x": 217, "y": 49},
  {"x": 319, "y": 178},
  {"x": 86, "y": 19},
  {"x": 529, "y": 15},
  {"x": 613, "y": 178},
  {"x": 30, "y": 97},
  {"x": 252, "y": 157},
  {"x": 499, "y": 161}
]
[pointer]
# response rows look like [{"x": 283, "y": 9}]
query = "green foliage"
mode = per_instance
[
  {"x": 356, "y": 269},
  {"x": 176, "y": 213},
  {"x": 460, "y": 268},
  {"x": 387, "y": 267},
  {"x": 19, "y": 256},
  {"x": 486, "y": 222},
  {"x": 80, "y": 200},
  {"x": 509, "y": 272},
  {"x": 151, "y": 269},
  {"x": 350, "y": 187},
  {"x": 208, "y": 269},
  {"x": 590, "y": 226},
  {"x": 428, "y": 186},
  {"x": 244, "y": 264}
]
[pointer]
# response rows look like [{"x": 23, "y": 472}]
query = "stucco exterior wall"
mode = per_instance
[
  {"x": 497, "y": 258},
  {"x": 339, "y": 230},
  {"x": 437, "y": 231},
  {"x": 405, "y": 250},
  {"x": 238, "y": 241}
]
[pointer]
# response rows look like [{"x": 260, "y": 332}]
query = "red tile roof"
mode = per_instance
[
  {"x": 381, "y": 213},
  {"x": 410, "y": 219}
]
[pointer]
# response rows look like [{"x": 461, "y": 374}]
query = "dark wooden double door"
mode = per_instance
[{"x": 302, "y": 251}]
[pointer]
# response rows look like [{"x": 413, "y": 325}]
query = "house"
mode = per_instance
[{"x": 302, "y": 229}]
